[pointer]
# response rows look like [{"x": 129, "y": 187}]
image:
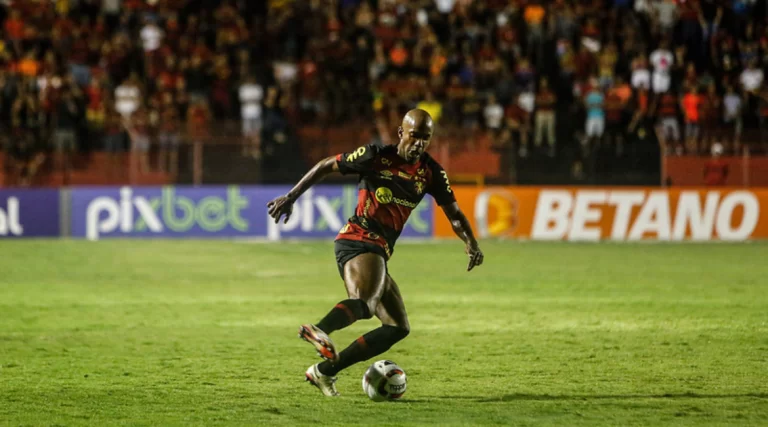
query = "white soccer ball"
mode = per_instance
[{"x": 384, "y": 380}]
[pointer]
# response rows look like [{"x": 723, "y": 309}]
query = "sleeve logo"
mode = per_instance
[
  {"x": 447, "y": 182},
  {"x": 356, "y": 154}
]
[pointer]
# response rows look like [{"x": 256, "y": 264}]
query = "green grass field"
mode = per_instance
[{"x": 204, "y": 333}]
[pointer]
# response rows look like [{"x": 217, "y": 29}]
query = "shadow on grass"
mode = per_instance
[{"x": 565, "y": 397}]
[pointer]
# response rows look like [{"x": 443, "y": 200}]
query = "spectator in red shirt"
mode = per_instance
[{"x": 546, "y": 100}]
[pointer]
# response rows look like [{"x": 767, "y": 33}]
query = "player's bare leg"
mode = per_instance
[
  {"x": 394, "y": 327},
  {"x": 365, "y": 277}
]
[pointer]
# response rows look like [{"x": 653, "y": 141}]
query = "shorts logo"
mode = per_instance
[{"x": 384, "y": 195}]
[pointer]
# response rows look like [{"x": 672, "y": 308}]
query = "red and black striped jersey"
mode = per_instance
[{"x": 389, "y": 190}]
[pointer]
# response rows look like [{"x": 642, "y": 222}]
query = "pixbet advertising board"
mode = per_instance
[{"x": 234, "y": 211}]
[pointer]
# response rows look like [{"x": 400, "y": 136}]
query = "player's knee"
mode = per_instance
[
  {"x": 397, "y": 333},
  {"x": 360, "y": 308}
]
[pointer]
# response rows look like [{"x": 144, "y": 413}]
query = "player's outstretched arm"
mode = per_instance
[
  {"x": 283, "y": 205},
  {"x": 463, "y": 229}
]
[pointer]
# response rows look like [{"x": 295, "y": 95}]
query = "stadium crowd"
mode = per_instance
[{"x": 120, "y": 75}]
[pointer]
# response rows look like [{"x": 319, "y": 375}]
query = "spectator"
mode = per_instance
[
  {"x": 128, "y": 97},
  {"x": 732, "y": 108},
  {"x": 518, "y": 122},
  {"x": 66, "y": 121},
  {"x": 667, "y": 113},
  {"x": 251, "y": 95},
  {"x": 615, "y": 126},
  {"x": 711, "y": 115},
  {"x": 431, "y": 106},
  {"x": 113, "y": 138},
  {"x": 716, "y": 169},
  {"x": 544, "y": 120},
  {"x": 534, "y": 16},
  {"x": 662, "y": 60},
  {"x": 641, "y": 76},
  {"x": 169, "y": 136},
  {"x": 470, "y": 111},
  {"x": 138, "y": 130},
  {"x": 595, "y": 125},
  {"x": 691, "y": 106},
  {"x": 151, "y": 35},
  {"x": 493, "y": 113}
]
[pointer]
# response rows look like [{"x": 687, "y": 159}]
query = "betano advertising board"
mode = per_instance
[{"x": 621, "y": 214}]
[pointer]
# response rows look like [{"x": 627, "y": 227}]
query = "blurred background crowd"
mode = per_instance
[{"x": 570, "y": 86}]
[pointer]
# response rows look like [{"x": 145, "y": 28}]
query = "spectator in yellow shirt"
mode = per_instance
[{"x": 431, "y": 106}]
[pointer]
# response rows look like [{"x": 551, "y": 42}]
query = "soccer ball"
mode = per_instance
[{"x": 384, "y": 380}]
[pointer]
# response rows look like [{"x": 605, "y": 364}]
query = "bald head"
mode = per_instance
[
  {"x": 415, "y": 135},
  {"x": 419, "y": 120}
]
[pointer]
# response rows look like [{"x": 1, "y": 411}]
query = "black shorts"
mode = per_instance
[{"x": 345, "y": 250}]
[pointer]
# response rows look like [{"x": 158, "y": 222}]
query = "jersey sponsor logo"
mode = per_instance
[
  {"x": 384, "y": 195},
  {"x": 356, "y": 154},
  {"x": 402, "y": 174},
  {"x": 406, "y": 203}
]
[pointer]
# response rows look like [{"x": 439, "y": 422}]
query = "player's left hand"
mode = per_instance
[
  {"x": 282, "y": 205},
  {"x": 475, "y": 256}
]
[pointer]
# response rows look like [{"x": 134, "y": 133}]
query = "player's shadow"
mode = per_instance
[{"x": 521, "y": 397}]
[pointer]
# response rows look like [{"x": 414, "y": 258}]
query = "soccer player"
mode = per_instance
[{"x": 392, "y": 181}]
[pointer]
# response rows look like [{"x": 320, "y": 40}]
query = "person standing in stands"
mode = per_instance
[{"x": 716, "y": 169}]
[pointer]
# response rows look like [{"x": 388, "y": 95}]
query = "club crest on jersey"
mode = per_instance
[
  {"x": 421, "y": 172},
  {"x": 419, "y": 186},
  {"x": 384, "y": 195}
]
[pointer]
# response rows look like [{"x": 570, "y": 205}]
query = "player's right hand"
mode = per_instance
[{"x": 280, "y": 206}]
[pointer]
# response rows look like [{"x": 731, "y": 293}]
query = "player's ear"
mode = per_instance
[{"x": 400, "y": 132}]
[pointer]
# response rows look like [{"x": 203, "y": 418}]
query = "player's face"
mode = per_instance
[{"x": 414, "y": 142}]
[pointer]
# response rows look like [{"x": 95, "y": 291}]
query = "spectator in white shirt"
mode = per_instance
[
  {"x": 493, "y": 114},
  {"x": 128, "y": 96},
  {"x": 151, "y": 36},
  {"x": 662, "y": 60},
  {"x": 751, "y": 78},
  {"x": 251, "y": 94}
]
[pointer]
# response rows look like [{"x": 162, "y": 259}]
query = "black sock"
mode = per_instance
[
  {"x": 344, "y": 314},
  {"x": 369, "y": 345}
]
